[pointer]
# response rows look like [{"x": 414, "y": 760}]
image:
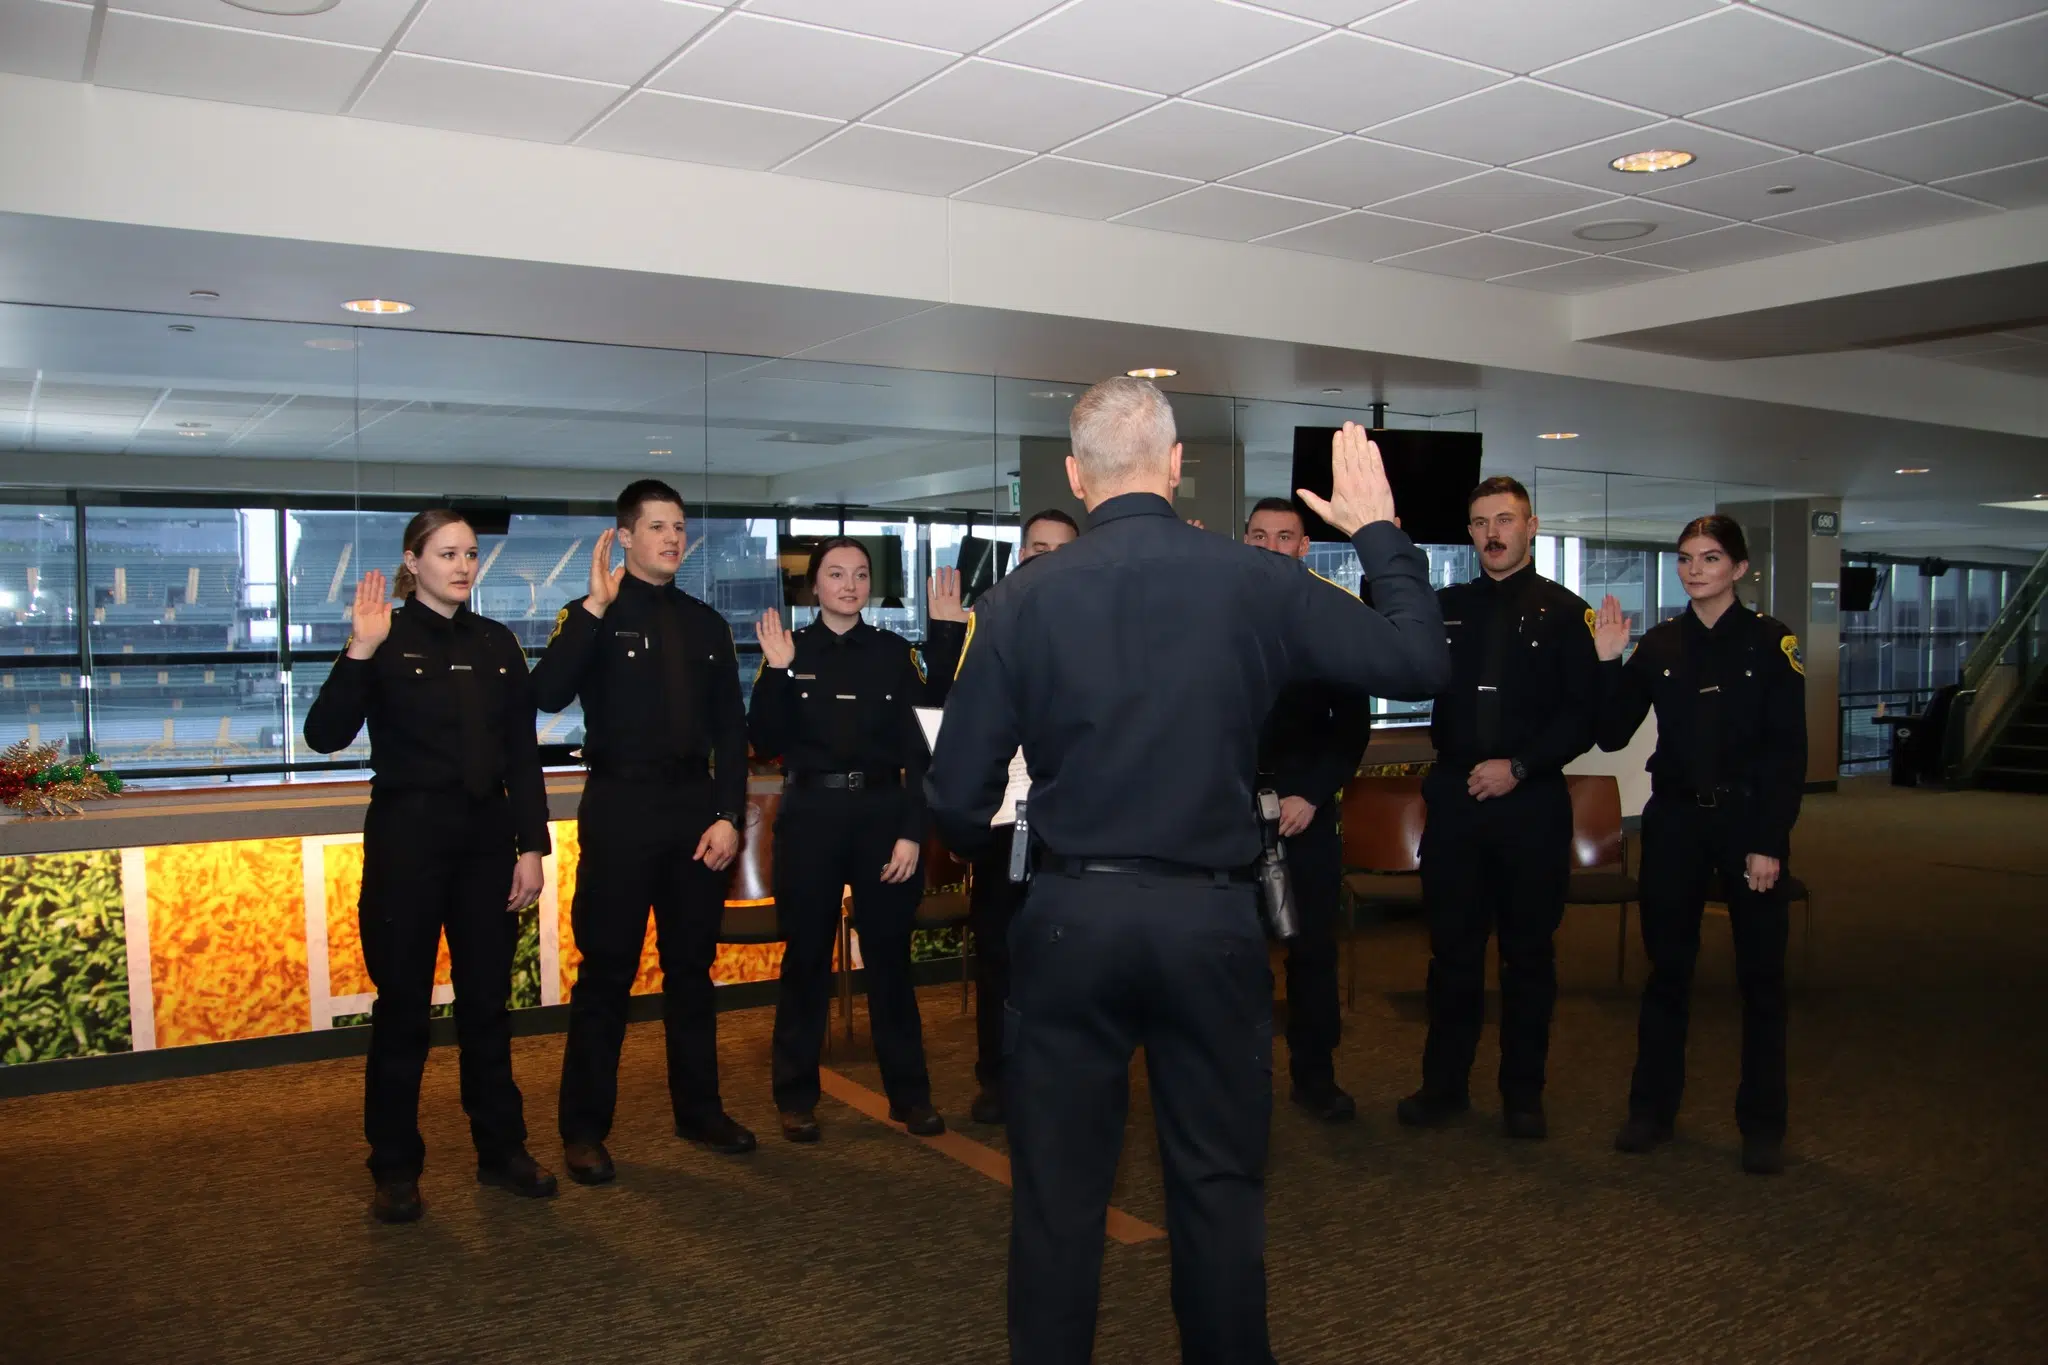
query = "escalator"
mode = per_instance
[{"x": 1997, "y": 731}]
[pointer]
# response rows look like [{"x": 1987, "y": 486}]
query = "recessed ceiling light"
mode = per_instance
[
  {"x": 1780, "y": 189},
  {"x": 194, "y": 426},
  {"x": 1866, "y": 523},
  {"x": 1909, "y": 471},
  {"x": 2037, "y": 503},
  {"x": 1614, "y": 230},
  {"x": 204, "y": 294},
  {"x": 1652, "y": 161},
  {"x": 286, "y": 9},
  {"x": 191, "y": 433},
  {"x": 1152, "y": 372},
  {"x": 183, "y": 327},
  {"x": 1557, "y": 436},
  {"x": 377, "y": 306},
  {"x": 331, "y": 344},
  {"x": 1051, "y": 393},
  {"x": 661, "y": 452},
  {"x": 1333, "y": 390}
]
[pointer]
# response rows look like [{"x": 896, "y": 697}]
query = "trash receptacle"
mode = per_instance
[{"x": 1905, "y": 748}]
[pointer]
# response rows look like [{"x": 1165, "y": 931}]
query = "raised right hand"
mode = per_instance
[
  {"x": 944, "y": 590},
  {"x": 369, "y": 616},
  {"x": 1359, "y": 492},
  {"x": 778, "y": 647},
  {"x": 1610, "y": 629},
  {"x": 604, "y": 579}
]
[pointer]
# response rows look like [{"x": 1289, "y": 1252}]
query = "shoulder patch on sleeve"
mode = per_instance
[
  {"x": 1589, "y": 621},
  {"x": 972, "y": 617},
  {"x": 1790, "y": 645},
  {"x": 1331, "y": 581},
  {"x": 918, "y": 664},
  {"x": 561, "y": 619}
]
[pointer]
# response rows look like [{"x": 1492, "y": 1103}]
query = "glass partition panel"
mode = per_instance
[{"x": 38, "y": 581}]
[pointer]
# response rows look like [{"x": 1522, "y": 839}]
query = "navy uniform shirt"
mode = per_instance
[
  {"x": 659, "y": 683},
  {"x": 1135, "y": 667},
  {"x": 845, "y": 705},
  {"x": 1731, "y": 716},
  {"x": 450, "y": 707},
  {"x": 1311, "y": 743},
  {"x": 1549, "y": 683}
]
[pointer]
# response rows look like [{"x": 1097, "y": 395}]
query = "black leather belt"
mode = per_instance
[
  {"x": 1705, "y": 797},
  {"x": 853, "y": 782},
  {"x": 1144, "y": 867},
  {"x": 652, "y": 770}
]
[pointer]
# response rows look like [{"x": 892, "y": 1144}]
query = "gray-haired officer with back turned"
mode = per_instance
[{"x": 1135, "y": 668}]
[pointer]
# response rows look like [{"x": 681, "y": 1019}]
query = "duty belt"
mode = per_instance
[
  {"x": 853, "y": 781},
  {"x": 1063, "y": 866},
  {"x": 1707, "y": 797}
]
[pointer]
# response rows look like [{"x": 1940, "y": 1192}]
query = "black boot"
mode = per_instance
[
  {"x": 1326, "y": 1100},
  {"x": 518, "y": 1173},
  {"x": 1524, "y": 1119},
  {"x": 1763, "y": 1155},
  {"x": 397, "y": 1200},
  {"x": 588, "y": 1162},
  {"x": 988, "y": 1106},
  {"x": 921, "y": 1119},
  {"x": 800, "y": 1125},
  {"x": 1641, "y": 1134},
  {"x": 1424, "y": 1110},
  {"x": 717, "y": 1132}
]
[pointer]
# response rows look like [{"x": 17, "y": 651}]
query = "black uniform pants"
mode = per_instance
[
  {"x": 1684, "y": 844},
  {"x": 435, "y": 861},
  {"x": 991, "y": 904},
  {"x": 1315, "y": 859},
  {"x": 637, "y": 840},
  {"x": 1496, "y": 866},
  {"x": 1105, "y": 964},
  {"x": 827, "y": 840}
]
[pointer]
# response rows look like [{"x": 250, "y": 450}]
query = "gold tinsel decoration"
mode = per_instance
[{"x": 35, "y": 780}]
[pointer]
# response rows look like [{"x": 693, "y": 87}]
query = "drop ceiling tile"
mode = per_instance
[
  {"x": 2012, "y": 187},
  {"x": 1363, "y": 237},
  {"x": 166, "y": 57},
  {"x": 1668, "y": 221},
  {"x": 1344, "y": 82},
  {"x": 1077, "y": 189},
  {"x": 619, "y": 41},
  {"x": 1330, "y": 11},
  {"x": 1949, "y": 348},
  {"x": 434, "y": 93},
  {"x": 1745, "y": 194},
  {"x": 1511, "y": 122},
  {"x": 1480, "y": 258},
  {"x": 1525, "y": 37},
  {"x": 915, "y": 163},
  {"x": 1010, "y": 106},
  {"x": 1896, "y": 211},
  {"x": 359, "y": 23},
  {"x": 1178, "y": 138},
  {"x": 1722, "y": 246},
  {"x": 1714, "y": 153},
  {"x": 950, "y": 24},
  {"x": 2012, "y": 56},
  {"x": 44, "y": 38},
  {"x": 1356, "y": 171},
  {"x": 1731, "y": 53},
  {"x": 1164, "y": 45},
  {"x": 1897, "y": 25},
  {"x": 2031, "y": 360},
  {"x": 1587, "y": 275},
  {"x": 1233, "y": 215},
  {"x": 774, "y": 64},
  {"x": 2004, "y": 136},
  {"x": 1493, "y": 199},
  {"x": 683, "y": 129},
  {"x": 1864, "y": 102}
]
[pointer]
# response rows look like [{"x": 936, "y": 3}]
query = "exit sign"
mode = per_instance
[{"x": 1827, "y": 523}]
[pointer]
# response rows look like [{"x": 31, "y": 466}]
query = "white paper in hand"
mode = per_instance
[{"x": 1019, "y": 788}]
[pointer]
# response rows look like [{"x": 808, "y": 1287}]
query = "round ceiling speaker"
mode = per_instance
[
  {"x": 1614, "y": 230},
  {"x": 284, "y": 9}
]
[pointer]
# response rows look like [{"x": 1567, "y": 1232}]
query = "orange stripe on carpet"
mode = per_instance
[{"x": 965, "y": 1150}]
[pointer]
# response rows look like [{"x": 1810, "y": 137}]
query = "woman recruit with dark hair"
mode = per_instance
[
  {"x": 1729, "y": 688},
  {"x": 453, "y": 840},
  {"x": 834, "y": 703}
]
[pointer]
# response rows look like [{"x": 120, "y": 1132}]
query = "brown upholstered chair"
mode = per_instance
[
  {"x": 945, "y": 903},
  {"x": 1600, "y": 874},
  {"x": 750, "y": 898},
  {"x": 1383, "y": 819}
]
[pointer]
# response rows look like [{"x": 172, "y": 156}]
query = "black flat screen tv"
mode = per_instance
[{"x": 1432, "y": 473}]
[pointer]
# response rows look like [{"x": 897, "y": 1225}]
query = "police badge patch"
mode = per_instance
[
  {"x": 1790, "y": 644},
  {"x": 1591, "y": 629},
  {"x": 971, "y": 618},
  {"x": 561, "y": 619}
]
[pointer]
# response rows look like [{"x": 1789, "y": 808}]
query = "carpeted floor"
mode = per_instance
[{"x": 221, "y": 1219}]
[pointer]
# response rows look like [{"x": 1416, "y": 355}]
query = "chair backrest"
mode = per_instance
[
  {"x": 942, "y": 868},
  {"x": 1596, "y": 819},
  {"x": 1383, "y": 818},
  {"x": 753, "y": 875}
]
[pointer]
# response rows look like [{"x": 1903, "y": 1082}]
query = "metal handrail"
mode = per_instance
[{"x": 2019, "y": 612}]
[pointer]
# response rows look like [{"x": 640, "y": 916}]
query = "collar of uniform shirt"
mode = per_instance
[
  {"x": 1734, "y": 611},
  {"x": 434, "y": 620},
  {"x": 1129, "y": 505},
  {"x": 631, "y": 584},
  {"x": 1513, "y": 580},
  {"x": 859, "y": 630}
]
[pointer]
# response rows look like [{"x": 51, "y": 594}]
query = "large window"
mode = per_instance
[{"x": 42, "y": 695}]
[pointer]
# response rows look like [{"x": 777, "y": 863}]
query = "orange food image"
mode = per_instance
[{"x": 227, "y": 940}]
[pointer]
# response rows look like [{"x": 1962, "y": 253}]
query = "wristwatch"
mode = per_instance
[
  {"x": 731, "y": 817},
  {"x": 1519, "y": 769}
]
